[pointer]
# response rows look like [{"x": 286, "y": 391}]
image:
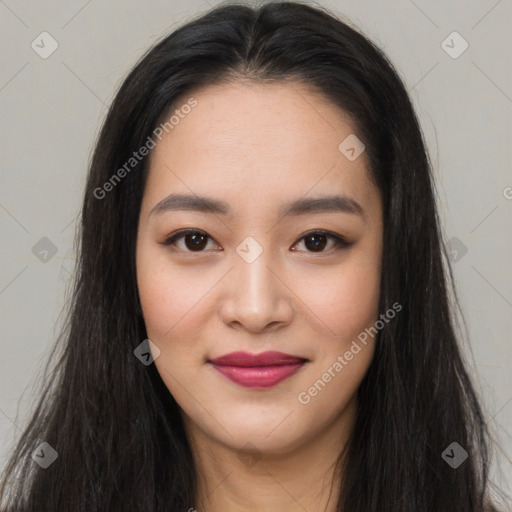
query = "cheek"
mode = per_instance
[
  {"x": 168, "y": 298},
  {"x": 171, "y": 303},
  {"x": 349, "y": 307},
  {"x": 345, "y": 300},
  {"x": 356, "y": 300},
  {"x": 159, "y": 305}
]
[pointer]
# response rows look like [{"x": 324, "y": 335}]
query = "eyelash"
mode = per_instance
[{"x": 340, "y": 242}]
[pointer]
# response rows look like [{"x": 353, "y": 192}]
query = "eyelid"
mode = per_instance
[{"x": 339, "y": 240}]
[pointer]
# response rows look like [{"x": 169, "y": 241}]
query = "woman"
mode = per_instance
[{"x": 261, "y": 317}]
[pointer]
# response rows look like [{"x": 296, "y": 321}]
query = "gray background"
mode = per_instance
[{"x": 51, "y": 110}]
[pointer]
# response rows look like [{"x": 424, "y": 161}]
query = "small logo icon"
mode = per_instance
[
  {"x": 249, "y": 249},
  {"x": 147, "y": 352},
  {"x": 454, "y": 455},
  {"x": 456, "y": 249},
  {"x": 44, "y": 455},
  {"x": 351, "y": 147},
  {"x": 44, "y": 45},
  {"x": 44, "y": 250},
  {"x": 454, "y": 45},
  {"x": 249, "y": 455}
]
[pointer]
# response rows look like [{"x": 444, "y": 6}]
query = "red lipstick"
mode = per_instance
[{"x": 257, "y": 370}]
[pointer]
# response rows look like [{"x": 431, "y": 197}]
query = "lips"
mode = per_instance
[{"x": 257, "y": 370}]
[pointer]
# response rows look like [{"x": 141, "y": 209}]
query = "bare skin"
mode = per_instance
[{"x": 256, "y": 147}]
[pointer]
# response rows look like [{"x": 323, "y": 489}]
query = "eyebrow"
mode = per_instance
[{"x": 331, "y": 203}]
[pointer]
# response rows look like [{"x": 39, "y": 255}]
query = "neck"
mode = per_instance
[{"x": 305, "y": 478}]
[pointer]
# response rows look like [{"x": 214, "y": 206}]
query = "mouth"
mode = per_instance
[{"x": 257, "y": 370}]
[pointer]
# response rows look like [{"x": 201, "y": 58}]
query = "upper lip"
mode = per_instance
[{"x": 245, "y": 359}]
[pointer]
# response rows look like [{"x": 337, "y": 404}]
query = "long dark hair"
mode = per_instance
[{"x": 116, "y": 428}]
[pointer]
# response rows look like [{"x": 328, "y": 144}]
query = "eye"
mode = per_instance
[
  {"x": 318, "y": 239},
  {"x": 196, "y": 240}
]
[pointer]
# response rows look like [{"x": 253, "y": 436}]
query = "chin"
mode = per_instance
[
  {"x": 260, "y": 442},
  {"x": 271, "y": 435}
]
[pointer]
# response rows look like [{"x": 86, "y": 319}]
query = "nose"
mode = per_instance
[{"x": 256, "y": 297}]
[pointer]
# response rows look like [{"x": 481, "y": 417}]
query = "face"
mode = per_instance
[{"x": 255, "y": 274}]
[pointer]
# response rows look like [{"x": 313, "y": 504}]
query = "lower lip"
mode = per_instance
[{"x": 258, "y": 376}]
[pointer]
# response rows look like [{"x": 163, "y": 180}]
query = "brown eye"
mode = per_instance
[
  {"x": 194, "y": 240},
  {"x": 316, "y": 241}
]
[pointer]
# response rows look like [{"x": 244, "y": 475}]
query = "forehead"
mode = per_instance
[{"x": 257, "y": 141}]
